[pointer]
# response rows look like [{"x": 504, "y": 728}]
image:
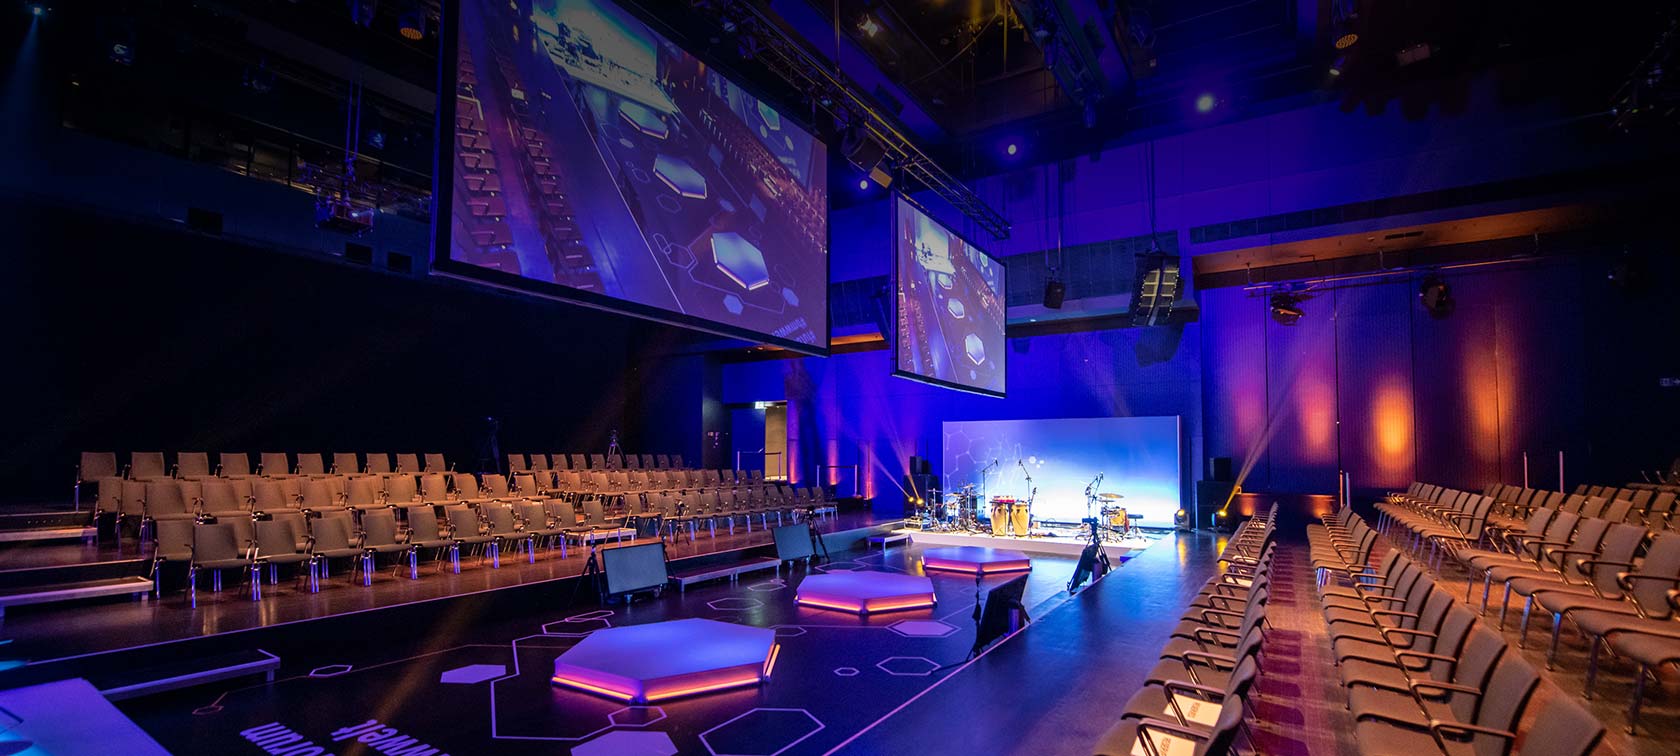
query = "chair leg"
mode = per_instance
[
  {"x": 1592, "y": 667},
  {"x": 256, "y": 581},
  {"x": 1551, "y": 652},
  {"x": 192, "y": 585},
  {"x": 455, "y": 557},
  {"x": 414, "y": 563},
  {"x": 1638, "y": 698}
]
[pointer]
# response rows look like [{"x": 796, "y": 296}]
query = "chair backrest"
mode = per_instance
[
  {"x": 533, "y": 513},
  {"x": 1449, "y": 640},
  {"x": 1663, "y": 560},
  {"x": 221, "y": 496},
  {"x": 310, "y": 463},
  {"x": 378, "y": 463},
  {"x": 597, "y": 461},
  {"x": 1222, "y": 739},
  {"x": 501, "y": 519},
  {"x": 346, "y": 463},
  {"x": 408, "y": 463},
  {"x": 269, "y": 497},
  {"x": 275, "y": 463},
  {"x": 1508, "y": 690},
  {"x": 464, "y": 520},
  {"x": 1618, "y": 510},
  {"x": 566, "y": 515},
  {"x": 1475, "y": 662},
  {"x": 163, "y": 497},
  {"x": 662, "y": 460},
  {"x": 400, "y": 489},
  {"x": 363, "y": 492},
  {"x": 632, "y": 462},
  {"x": 379, "y": 528},
  {"x": 677, "y": 461},
  {"x": 192, "y": 464},
  {"x": 1563, "y": 728},
  {"x": 516, "y": 463},
  {"x": 593, "y": 513},
  {"x": 560, "y": 462},
  {"x": 579, "y": 462},
  {"x": 96, "y": 465},
  {"x": 466, "y": 486},
  {"x": 174, "y": 539},
  {"x": 235, "y": 463},
  {"x": 539, "y": 461},
  {"x": 526, "y": 485},
  {"x": 496, "y": 485},
  {"x": 214, "y": 542},
  {"x": 275, "y": 537},
  {"x": 1594, "y": 506},
  {"x": 435, "y": 463},
  {"x": 143, "y": 465},
  {"x": 434, "y": 487},
  {"x": 318, "y": 494},
  {"x": 330, "y": 533},
  {"x": 422, "y": 519}
]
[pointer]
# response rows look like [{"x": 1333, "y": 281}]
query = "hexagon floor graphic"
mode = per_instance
[
  {"x": 908, "y": 666},
  {"x": 761, "y": 732},
  {"x": 472, "y": 673},
  {"x": 922, "y": 628},
  {"x": 637, "y": 716},
  {"x": 740, "y": 260},
  {"x": 628, "y": 743}
]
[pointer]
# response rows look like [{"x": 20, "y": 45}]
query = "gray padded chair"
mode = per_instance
[
  {"x": 423, "y": 532},
  {"x": 216, "y": 548},
  {"x": 174, "y": 544},
  {"x": 379, "y": 537},
  {"x": 330, "y": 539},
  {"x": 464, "y": 530},
  {"x": 277, "y": 545}
]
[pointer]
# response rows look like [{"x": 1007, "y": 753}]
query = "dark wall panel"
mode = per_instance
[
  {"x": 1374, "y": 384},
  {"x": 1301, "y": 379},
  {"x": 1234, "y": 381}
]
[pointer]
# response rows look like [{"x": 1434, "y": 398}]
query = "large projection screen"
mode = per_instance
[
  {"x": 1137, "y": 456},
  {"x": 593, "y": 160},
  {"x": 950, "y": 305}
]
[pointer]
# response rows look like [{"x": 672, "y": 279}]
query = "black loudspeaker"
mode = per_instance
[
  {"x": 1211, "y": 495},
  {"x": 920, "y": 465},
  {"x": 1218, "y": 468},
  {"x": 1054, "y": 292}
]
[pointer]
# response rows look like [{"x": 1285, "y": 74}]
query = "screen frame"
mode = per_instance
[
  {"x": 895, "y": 197},
  {"x": 607, "y": 553},
  {"x": 443, "y": 200}
]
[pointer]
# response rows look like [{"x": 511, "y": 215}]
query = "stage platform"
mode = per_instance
[{"x": 1052, "y": 545}]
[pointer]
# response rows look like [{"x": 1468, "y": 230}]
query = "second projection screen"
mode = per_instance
[
  {"x": 951, "y": 308},
  {"x": 594, "y": 155}
]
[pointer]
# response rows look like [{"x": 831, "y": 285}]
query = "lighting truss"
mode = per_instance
[{"x": 837, "y": 94}]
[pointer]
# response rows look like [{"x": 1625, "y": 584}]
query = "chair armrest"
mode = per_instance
[
  {"x": 1420, "y": 686},
  {"x": 1441, "y": 729}
]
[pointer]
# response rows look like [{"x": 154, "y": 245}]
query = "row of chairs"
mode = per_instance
[
  {"x": 1198, "y": 698},
  {"x": 518, "y": 463},
  {"x": 97, "y": 466},
  {"x": 1648, "y": 506},
  {"x": 1612, "y": 581},
  {"x": 1422, "y": 674}
]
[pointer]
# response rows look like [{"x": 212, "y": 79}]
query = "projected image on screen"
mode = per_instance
[
  {"x": 950, "y": 306},
  {"x": 1137, "y": 456},
  {"x": 593, "y": 159}
]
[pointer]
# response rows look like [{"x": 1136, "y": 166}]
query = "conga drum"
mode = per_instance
[
  {"x": 1000, "y": 517},
  {"x": 1020, "y": 518}
]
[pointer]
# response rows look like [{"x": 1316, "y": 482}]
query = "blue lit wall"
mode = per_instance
[
  {"x": 1138, "y": 458},
  {"x": 848, "y": 409}
]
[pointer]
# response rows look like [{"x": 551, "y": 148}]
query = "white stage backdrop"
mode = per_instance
[{"x": 1138, "y": 457}]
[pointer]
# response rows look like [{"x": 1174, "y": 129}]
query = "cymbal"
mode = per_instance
[{"x": 1110, "y": 496}]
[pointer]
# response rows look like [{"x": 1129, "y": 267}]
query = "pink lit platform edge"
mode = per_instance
[
  {"x": 663, "y": 660},
  {"x": 866, "y": 592},
  {"x": 975, "y": 559}
]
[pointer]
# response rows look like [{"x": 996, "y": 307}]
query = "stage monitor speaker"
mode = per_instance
[
  {"x": 1218, "y": 468},
  {"x": 1054, "y": 292},
  {"x": 637, "y": 567},
  {"x": 1003, "y": 614},
  {"x": 1154, "y": 289},
  {"x": 793, "y": 542}
]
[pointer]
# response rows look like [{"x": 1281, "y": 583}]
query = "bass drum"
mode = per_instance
[
  {"x": 1000, "y": 518},
  {"x": 1021, "y": 518}
]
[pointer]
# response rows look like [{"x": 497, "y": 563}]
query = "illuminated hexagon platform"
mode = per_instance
[
  {"x": 975, "y": 559},
  {"x": 679, "y": 176},
  {"x": 866, "y": 592},
  {"x": 662, "y": 660},
  {"x": 955, "y": 306},
  {"x": 740, "y": 260},
  {"x": 976, "y": 348},
  {"x": 644, "y": 120}
]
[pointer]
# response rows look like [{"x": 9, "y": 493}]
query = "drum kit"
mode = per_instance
[{"x": 962, "y": 511}]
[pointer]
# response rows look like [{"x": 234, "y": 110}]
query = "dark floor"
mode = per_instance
[
  {"x": 841, "y": 683},
  {"x": 41, "y": 633}
]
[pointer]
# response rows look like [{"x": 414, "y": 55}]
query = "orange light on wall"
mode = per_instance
[{"x": 1390, "y": 439}]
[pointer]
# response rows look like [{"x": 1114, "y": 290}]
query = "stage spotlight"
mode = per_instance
[
  {"x": 1012, "y": 148},
  {"x": 37, "y": 9},
  {"x": 1436, "y": 296},
  {"x": 1339, "y": 65},
  {"x": 1347, "y": 40},
  {"x": 412, "y": 24},
  {"x": 1206, "y": 103},
  {"x": 863, "y": 183},
  {"x": 1286, "y": 308},
  {"x": 869, "y": 27}
]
